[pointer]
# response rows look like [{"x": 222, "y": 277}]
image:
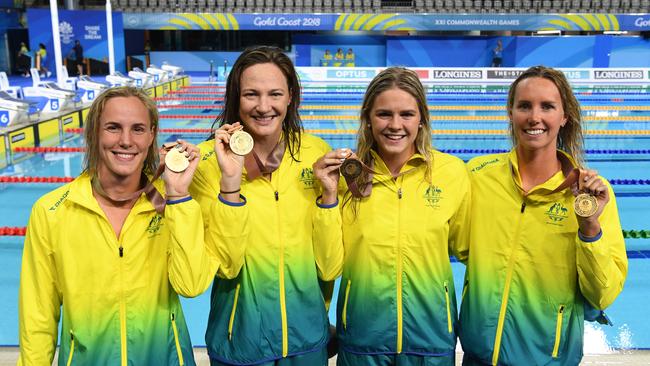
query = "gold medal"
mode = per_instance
[
  {"x": 585, "y": 205},
  {"x": 176, "y": 160},
  {"x": 351, "y": 168},
  {"x": 241, "y": 142}
]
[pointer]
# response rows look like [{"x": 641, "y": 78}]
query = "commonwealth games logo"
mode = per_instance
[{"x": 66, "y": 31}]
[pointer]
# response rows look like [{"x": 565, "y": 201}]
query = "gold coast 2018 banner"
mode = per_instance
[{"x": 388, "y": 22}]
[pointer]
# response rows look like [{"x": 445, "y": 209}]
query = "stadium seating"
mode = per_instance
[{"x": 385, "y": 6}]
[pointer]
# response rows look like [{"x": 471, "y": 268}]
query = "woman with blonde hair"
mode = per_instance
[
  {"x": 403, "y": 216},
  {"x": 546, "y": 241},
  {"x": 106, "y": 257}
]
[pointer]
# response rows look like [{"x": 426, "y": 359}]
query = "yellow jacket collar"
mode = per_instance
[
  {"x": 567, "y": 162},
  {"x": 414, "y": 161},
  {"x": 81, "y": 193}
]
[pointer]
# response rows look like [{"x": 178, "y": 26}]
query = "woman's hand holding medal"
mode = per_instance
[
  {"x": 231, "y": 144},
  {"x": 591, "y": 197},
  {"x": 326, "y": 170},
  {"x": 181, "y": 159}
]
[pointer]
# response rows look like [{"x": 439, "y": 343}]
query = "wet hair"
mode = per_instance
[
  {"x": 93, "y": 128},
  {"x": 570, "y": 138},
  {"x": 292, "y": 125}
]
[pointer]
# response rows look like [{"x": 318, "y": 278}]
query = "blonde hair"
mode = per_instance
[
  {"x": 408, "y": 81},
  {"x": 570, "y": 138},
  {"x": 93, "y": 126}
]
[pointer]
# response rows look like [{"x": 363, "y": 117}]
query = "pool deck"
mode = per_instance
[{"x": 9, "y": 355}]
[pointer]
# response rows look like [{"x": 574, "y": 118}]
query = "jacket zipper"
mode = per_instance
[
  {"x": 399, "y": 271},
  {"x": 233, "y": 311},
  {"x": 506, "y": 289},
  {"x": 71, "y": 349},
  {"x": 449, "y": 329},
  {"x": 283, "y": 300},
  {"x": 123, "y": 345},
  {"x": 558, "y": 331},
  {"x": 344, "y": 315},
  {"x": 179, "y": 352}
]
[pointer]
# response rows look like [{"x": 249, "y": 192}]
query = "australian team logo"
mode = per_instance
[
  {"x": 154, "y": 225},
  {"x": 307, "y": 177},
  {"x": 557, "y": 213},
  {"x": 432, "y": 196}
]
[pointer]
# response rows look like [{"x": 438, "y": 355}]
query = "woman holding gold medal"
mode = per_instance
[
  {"x": 107, "y": 253},
  {"x": 272, "y": 213},
  {"x": 406, "y": 210},
  {"x": 546, "y": 241}
]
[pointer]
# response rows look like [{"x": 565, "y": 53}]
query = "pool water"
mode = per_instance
[{"x": 467, "y": 121}]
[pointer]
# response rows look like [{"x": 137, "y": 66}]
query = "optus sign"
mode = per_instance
[{"x": 351, "y": 74}]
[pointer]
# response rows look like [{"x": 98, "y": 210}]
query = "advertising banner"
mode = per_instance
[
  {"x": 478, "y": 76},
  {"x": 389, "y": 22},
  {"x": 619, "y": 74},
  {"x": 86, "y": 26}
]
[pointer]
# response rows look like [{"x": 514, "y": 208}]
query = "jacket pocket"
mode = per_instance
[
  {"x": 179, "y": 352},
  {"x": 233, "y": 311},
  {"x": 344, "y": 314},
  {"x": 449, "y": 324},
  {"x": 462, "y": 296},
  {"x": 71, "y": 353},
  {"x": 558, "y": 331}
]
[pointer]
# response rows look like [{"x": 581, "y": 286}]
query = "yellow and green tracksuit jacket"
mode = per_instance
[
  {"x": 266, "y": 302},
  {"x": 397, "y": 290},
  {"x": 530, "y": 274},
  {"x": 119, "y": 296}
]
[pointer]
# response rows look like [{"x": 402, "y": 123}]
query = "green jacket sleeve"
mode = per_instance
[
  {"x": 191, "y": 266},
  {"x": 39, "y": 299},
  {"x": 459, "y": 225},
  {"x": 225, "y": 225},
  {"x": 602, "y": 264}
]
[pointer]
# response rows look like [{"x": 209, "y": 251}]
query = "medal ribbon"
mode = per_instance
[
  {"x": 366, "y": 189},
  {"x": 572, "y": 175},
  {"x": 254, "y": 166},
  {"x": 156, "y": 199}
]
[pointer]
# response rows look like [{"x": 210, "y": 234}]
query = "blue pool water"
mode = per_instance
[{"x": 461, "y": 120}]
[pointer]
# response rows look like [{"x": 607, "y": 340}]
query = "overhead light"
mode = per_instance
[{"x": 555, "y": 32}]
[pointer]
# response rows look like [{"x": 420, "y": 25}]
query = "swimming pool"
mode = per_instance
[{"x": 467, "y": 121}]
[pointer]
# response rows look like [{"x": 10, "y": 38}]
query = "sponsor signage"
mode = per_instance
[
  {"x": 387, "y": 21},
  {"x": 622, "y": 74},
  {"x": 351, "y": 74},
  {"x": 576, "y": 74},
  {"x": 453, "y": 74},
  {"x": 504, "y": 74}
]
